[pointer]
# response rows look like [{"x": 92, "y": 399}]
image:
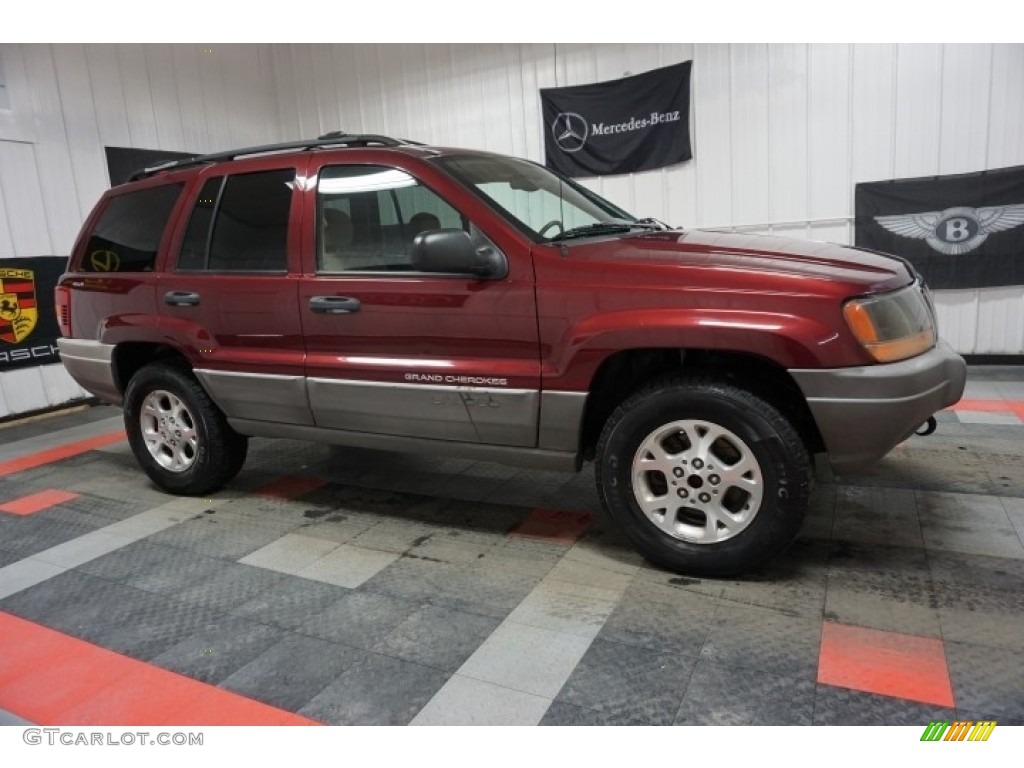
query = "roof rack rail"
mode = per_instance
[{"x": 332, "y": 139}]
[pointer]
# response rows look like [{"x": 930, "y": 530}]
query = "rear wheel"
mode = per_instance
[
  {"x": 178, "y": 435},
  {"x": 704, "y": 477}
]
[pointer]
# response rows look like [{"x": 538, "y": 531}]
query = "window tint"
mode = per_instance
[
  {"x": 369, "y": 215},
  {"x": 128, "y": 234},
  {"x": 197, "y": 235},
  {"x": 240, "y": 223}
]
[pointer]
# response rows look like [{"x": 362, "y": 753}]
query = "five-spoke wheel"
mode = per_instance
[{"x": 703, "y": 476}]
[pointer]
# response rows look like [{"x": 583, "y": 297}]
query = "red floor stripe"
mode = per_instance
[
  {"x": 49, "y": 678},
  {"x": 553, "y": 525},
  {"x": 1003, "y": 406},
  {"x": 50, "y": 455},
  {"x": 35, "y": 502},
  {"x": 888, "y": 663},
  {"x": 291, "y": 486}
]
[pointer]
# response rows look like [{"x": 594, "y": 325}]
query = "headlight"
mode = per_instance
[{"x": 892, "y": 326}]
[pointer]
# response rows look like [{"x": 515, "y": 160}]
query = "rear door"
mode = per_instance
[
  {"x": 397, "y": 352},
  {"x": 230, "y": 296}
]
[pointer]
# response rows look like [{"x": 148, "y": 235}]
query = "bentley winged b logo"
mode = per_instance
[
  {"x": 570, "y": 131},
  {"x": 955, "y": 230},
  {"x": 18, "y": 311}
]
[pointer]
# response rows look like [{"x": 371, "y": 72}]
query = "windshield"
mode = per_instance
[{"x": 541, "y": 202}]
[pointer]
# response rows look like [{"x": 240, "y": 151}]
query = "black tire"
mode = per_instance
[
  {"x": 752, "y": 431},
  {"x": 190, "y": 467}
]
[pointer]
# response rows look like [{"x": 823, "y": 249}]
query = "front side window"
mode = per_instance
[
  {"x": 127, "y": 236},
  {"x": 240, "y": 224},
  {"x": 539, "y": 202},
  {"x": 369, "y": 215}
]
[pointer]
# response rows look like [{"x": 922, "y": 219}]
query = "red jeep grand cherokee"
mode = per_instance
[{"x": 364, "y": 291}]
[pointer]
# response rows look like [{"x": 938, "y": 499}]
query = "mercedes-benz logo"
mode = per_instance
[{"x": 570, "y": 131}]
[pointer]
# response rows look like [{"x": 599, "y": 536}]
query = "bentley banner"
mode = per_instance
[
  {"x": 28, "y": 325},
  {"x": 963, "y": 231},
  {"x": 619, "y": 126}
]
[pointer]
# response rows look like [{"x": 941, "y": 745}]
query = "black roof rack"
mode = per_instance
[{"x": 332, "y": 139}]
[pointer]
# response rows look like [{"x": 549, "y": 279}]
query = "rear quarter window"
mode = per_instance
[{"x": 127, "y": 236}]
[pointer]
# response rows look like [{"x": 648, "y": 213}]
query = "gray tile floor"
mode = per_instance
[{"x": 362, "y": 603}]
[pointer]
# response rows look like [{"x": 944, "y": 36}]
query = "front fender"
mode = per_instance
[{"x": 790, "y": 341}]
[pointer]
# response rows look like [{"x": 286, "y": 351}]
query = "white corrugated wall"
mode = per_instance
[
  {"x": 67, "y": 103},
  {"x": 781, "y": 133}
]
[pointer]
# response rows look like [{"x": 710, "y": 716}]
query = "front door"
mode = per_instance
[{"x": 398, "y": 352}]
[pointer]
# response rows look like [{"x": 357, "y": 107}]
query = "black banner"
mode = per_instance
[
  {"x": 28, "y": 325},
  {"x": 122, "y": 162},
  {"x": 619, "y": 126},
  {"x": 963, "y": 231}
]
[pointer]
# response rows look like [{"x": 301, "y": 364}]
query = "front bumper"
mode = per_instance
[{"x": 863, "y": 412}]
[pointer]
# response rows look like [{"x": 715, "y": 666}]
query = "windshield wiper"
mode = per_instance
[
  {"x": 653, "y": 223},
  {"x": 598, "y": 228}
]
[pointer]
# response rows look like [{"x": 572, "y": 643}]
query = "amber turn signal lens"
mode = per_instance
[{"x": 892, "y": 326}]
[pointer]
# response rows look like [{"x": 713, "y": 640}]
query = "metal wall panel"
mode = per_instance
[
  {"x": 748, "y": 106},
  {"x": 787, "y": 133},
  {"x": 1000, "y": 329},
  {"x": 712, "y": 108},
  {"x": 873, "y": 113},
  {"x": 53, "y": 158},
  {"x": 781, "y": 133},
  {"x": 68, "y": 102},
  {"x": 23, "y": 199},
  {"x": 965, "y": 95},
  {"x": 919, "y": 90},
  {"x": 1006, "y": 107},
  {"x": 163, "y": 79},
  {"x": 108, "y": 95}
]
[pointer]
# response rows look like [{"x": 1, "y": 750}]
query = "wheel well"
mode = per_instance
[
  {"x": 129, "y": 357},
  {"x": 625, "y": 372}
]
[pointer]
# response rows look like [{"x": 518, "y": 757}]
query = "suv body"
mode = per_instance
[{"x": 362, "y": 291}]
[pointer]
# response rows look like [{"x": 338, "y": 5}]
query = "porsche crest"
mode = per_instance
[{"x": 18, "y": 309}]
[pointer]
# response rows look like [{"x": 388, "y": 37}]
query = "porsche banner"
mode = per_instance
[
  {"x": 963, "y": 231},
  {"x": 634, "y": 124},
  {"x": 28, "y": 325}
]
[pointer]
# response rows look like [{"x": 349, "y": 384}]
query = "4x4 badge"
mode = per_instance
[{"x": 18, "y": 310}]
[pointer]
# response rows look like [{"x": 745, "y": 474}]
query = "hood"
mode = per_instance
[{"x": 779, "y": 260}]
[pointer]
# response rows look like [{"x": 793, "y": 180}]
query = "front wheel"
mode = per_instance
[
  {"x": 178, "y": 435},
  {"x": 705, "y": 478}
]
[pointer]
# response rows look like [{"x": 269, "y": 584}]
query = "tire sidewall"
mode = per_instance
[
  {"x": 178, "y": 383},
  {"x": 785, "y": 479}
]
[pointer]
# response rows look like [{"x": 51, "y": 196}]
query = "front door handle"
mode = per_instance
[
  {"x": 334, "y": 305},
  {"x": 181, "y": 298}
]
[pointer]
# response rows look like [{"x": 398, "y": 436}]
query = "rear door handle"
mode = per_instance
[
  {"x": 334, "y": 305},
  {"x": 181, "y": 298}
]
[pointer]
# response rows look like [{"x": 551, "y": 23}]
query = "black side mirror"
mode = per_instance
[{"x": 452, "y": 251}]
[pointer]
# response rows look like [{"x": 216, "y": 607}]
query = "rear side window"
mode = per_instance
[
  {"x": 240, "y": 223},
  {"x": 127, "y": 236}
]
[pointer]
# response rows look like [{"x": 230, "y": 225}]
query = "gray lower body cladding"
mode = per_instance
[{"x": 863, "y": 412}]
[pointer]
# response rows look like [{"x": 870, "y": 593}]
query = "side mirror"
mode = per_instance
[{"x": 452, "y": 251}]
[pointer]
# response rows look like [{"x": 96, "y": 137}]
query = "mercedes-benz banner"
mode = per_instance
[
  {"x": 619, "y": 126},
  {"x": 962, "y": 231}
]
